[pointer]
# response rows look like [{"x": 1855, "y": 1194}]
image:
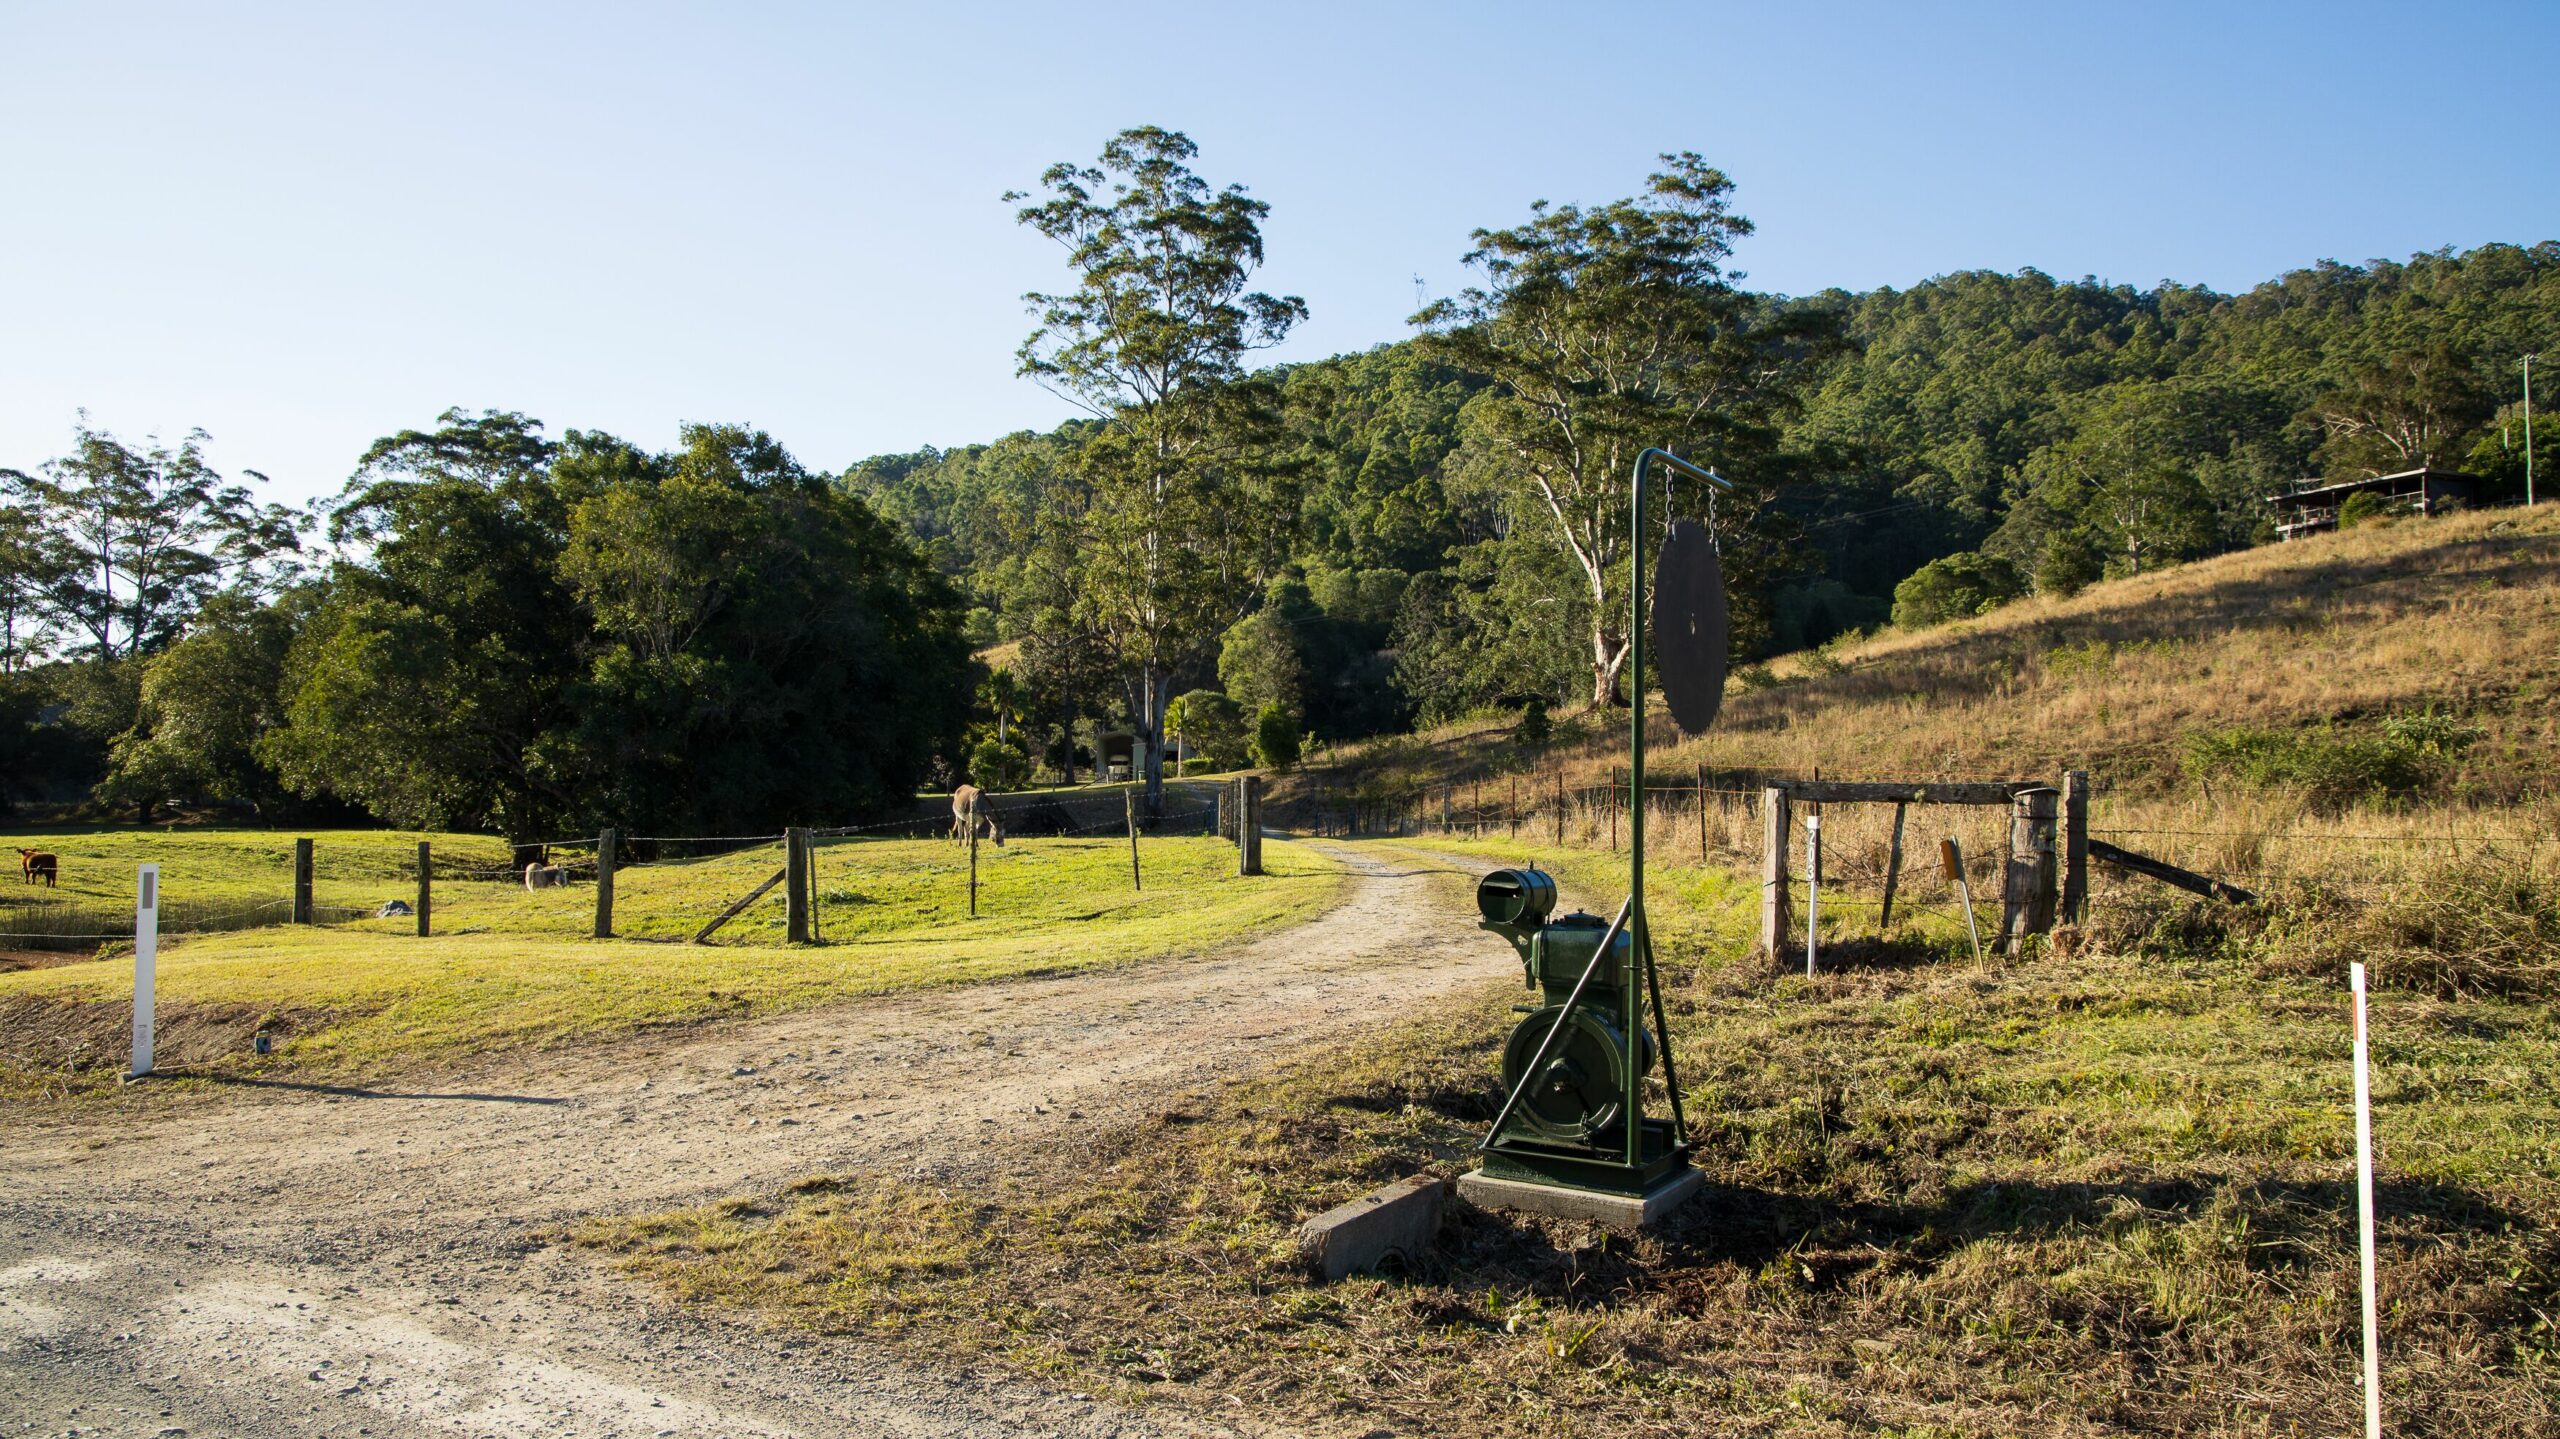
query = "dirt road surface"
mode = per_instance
[{"x": 377, "y": 1261}]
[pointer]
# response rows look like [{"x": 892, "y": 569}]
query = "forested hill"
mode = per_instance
[{"x": 2065, "y": 429}]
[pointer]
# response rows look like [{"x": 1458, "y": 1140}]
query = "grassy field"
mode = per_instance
[
  {"x": 2106, "y": 1190},
  {"x": 508, "y": 967}
]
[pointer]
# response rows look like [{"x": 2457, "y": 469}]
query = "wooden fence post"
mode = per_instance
[
  {"x": 973, "y": 852},
  {"x": 1559, "y": 801},
  {"x": 1774, "y": 921},
  {"x": 2027, "y": 898},
  {"x": 1515, "y": 806},
  {"x": 608, "y": 856},
  {"x": 2075, "y": 847},
  {"x": 795, "y": 885},
  {"x": 302, "y": 881},
  {"x": 608, "y": 853},
  {"x": 1892, "y": 872},
  {"x": 1613, "y": 809},
  {"x": 1445, "y": 789},
  {"x": 426, "y": 888},
  {"x": 1702, "y": 813},
  {"x": 1128, "y": 807},
  {"x": 1249, "y": 827}
]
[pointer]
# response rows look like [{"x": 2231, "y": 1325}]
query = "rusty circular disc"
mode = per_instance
[{"x": 1690, "y": 626}]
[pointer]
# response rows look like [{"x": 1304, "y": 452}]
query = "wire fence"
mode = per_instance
[{"x": 663, "y": 887}]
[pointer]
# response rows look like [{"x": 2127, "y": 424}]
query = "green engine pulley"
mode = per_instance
[{"x": 1575, "y": 1099}]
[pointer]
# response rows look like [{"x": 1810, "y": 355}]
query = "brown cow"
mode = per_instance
[
  {"x": 967, "y": 802},
  {"x": 35, "y": 864}
]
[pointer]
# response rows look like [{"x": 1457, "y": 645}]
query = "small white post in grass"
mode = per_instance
[
  {"x": 146, "y": 962},
  {"x": 2364, "y": 1209},
  {"x": 1812, "y": 886}
]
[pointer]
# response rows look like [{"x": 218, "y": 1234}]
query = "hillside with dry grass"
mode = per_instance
[{"x": 2457, "y": 616}]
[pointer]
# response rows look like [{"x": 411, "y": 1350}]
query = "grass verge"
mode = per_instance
[{"x": 2107, "y": 1191}]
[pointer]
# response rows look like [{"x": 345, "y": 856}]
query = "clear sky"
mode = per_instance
[{"x": 303, "y": 226}]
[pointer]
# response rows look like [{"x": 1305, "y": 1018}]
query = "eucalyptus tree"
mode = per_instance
[
  {"x": 127, "y": 542},
  {"x": 1187, "y": 509},
  {"x": 1606, "y": 330}
]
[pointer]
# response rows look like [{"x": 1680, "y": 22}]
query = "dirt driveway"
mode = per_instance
[{"x": 304, "y": 1261}]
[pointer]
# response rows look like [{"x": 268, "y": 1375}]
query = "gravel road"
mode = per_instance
[{"x": 303, "y": 1261}]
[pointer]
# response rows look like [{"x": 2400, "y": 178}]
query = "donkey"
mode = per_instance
[
  {"x": 967, "y": 802},
  {"x": 545, "y": 876},
  {"x": 37, "y": 864}
]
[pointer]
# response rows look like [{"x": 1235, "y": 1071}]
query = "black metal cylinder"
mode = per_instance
[{"x": 1517, "y": 898}]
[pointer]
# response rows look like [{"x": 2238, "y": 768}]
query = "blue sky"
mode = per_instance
[{"x": 301, "y": 227}]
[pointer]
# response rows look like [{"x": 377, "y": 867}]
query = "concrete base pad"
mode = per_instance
[{"x": 1624, "y": 1212}]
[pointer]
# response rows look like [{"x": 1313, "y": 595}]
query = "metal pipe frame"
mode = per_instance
[{"x": 1642, "y": 950}]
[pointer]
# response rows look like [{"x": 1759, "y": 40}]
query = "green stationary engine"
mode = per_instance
[{"x": 1566, "y": 1065}]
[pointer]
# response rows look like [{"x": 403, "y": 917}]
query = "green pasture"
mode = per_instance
[{"x": 506, "y": 967}]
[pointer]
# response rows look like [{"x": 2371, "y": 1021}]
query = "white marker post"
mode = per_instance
[
  {"x": 146, "y": 963},
  {"x": 1812, "y": 887},
  {"x": 2364, "y": 1210}
]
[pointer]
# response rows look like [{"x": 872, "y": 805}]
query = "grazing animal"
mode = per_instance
[
  {"x": 545, "y": 876},
  {"x": 967, "y": 798},
  {"x": 37, "y": 864}
]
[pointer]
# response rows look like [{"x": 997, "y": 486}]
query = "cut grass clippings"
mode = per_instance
[
  {"x": 505, "y": 968},
  {"x": 2105, "y": 1191}
]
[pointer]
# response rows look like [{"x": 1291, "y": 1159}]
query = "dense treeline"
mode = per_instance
[
  {"x": 1969, "y": 439},
  {"x": 491, "y": 629}
]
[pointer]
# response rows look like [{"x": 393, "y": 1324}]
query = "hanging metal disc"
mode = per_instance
[{"x": 1690, "y": 626}]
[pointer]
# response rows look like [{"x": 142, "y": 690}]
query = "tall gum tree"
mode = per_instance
[
  {"x": 1185, "y": 509},
  {"x": 1606, "y": 330}
]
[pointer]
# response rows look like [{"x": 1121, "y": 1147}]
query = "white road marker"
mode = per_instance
[
  {"x": 2364, "y": 1210},
  {"x": 146, "y": 963}
]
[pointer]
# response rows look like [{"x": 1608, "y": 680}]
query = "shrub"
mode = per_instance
[
  {"x": 1955, "y": 587},
  {"x": 999, "y": 764},
  {"x": 1213, "y": 726},
  {"x": 2332, "y": 763},
  {"x": 2070, "y": 564},
  {"x": 1275, "y": 738},
  {"x": 2364, "y": 506},
  {"x": 1534, "y": 730}
]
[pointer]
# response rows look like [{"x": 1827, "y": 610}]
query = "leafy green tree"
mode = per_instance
[
  {"x": 765, "y": 647},
  {"x": 2405, "y": 410},
  {"x": 1607, "y": 330},
  {"x": 999, "y": 764},
  {"x": 434, "y": 684},
  {"x": 204, "y": 703},
  {"x": 2071, "y": 563},
  {"x": 1258, "y": 663},
  {"x": 1275, "y": 739},
  {"x": 1184, "y": 512},
  {"x": 1212, "y": 725},
  {"x": 1954, "y": 587},
  {"x": 139, "y": 537}
]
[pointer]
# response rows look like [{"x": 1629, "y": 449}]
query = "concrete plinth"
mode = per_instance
[
  {"x": 1401, "y": 1219},
  {"x": 1623, "y": 1212}
]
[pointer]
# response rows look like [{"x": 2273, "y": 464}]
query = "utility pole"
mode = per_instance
[{"x": 2528, "y": 429}]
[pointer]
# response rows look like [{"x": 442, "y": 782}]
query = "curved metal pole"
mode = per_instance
[{"x": 1634, "y": 1016}]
